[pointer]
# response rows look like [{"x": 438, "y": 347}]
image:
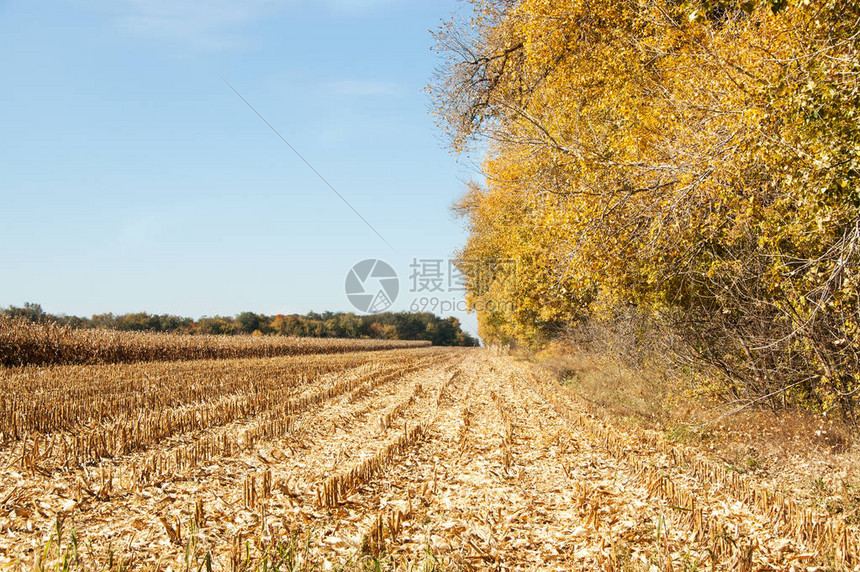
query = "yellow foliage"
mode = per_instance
[{"x": 696, "y": 160}]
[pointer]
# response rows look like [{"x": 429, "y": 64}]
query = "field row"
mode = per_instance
[
  {"x": 62, "y": 417},
  {"x": 445, "y": 459},
  {"x": 513, "y": 477},
  {"x": 82, "y": 477}
]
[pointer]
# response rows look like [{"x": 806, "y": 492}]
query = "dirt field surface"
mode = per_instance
[{"x": 420, "y": 459}]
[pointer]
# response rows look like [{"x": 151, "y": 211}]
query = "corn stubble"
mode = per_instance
[{"x": 419, "y": 458}]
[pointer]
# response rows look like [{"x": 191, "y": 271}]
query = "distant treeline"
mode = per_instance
[{"x": 388, "y": 326}]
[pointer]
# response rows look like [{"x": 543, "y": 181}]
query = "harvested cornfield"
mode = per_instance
[
  {"x": 25, "y": 343},
  {"x": 422, "y": 458}
]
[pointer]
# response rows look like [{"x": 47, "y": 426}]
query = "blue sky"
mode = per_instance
[{"x": 133, "y": 179}]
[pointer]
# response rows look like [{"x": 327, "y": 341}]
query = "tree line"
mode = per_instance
[
  {"x": 694, "y": 163},
  {"x": 388, "y": 325}
]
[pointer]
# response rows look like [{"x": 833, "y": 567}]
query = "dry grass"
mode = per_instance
[
  {"x": 646, "y": 393},
  {"x": 814, "y": 458},
  {"x": 24, "y": 343}
]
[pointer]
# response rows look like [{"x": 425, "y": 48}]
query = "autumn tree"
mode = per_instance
[{"x": 696, "y": 161}]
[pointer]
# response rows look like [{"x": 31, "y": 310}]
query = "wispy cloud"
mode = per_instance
[
  {"x": 199, "y": 24},
  {"x": 209, "y": 24},
  {"x": 355, "y": 6},
  {"x": 365, "y": 87}
]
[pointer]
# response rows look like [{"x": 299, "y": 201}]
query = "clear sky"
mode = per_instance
[{"x": 133, "y": 179}]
